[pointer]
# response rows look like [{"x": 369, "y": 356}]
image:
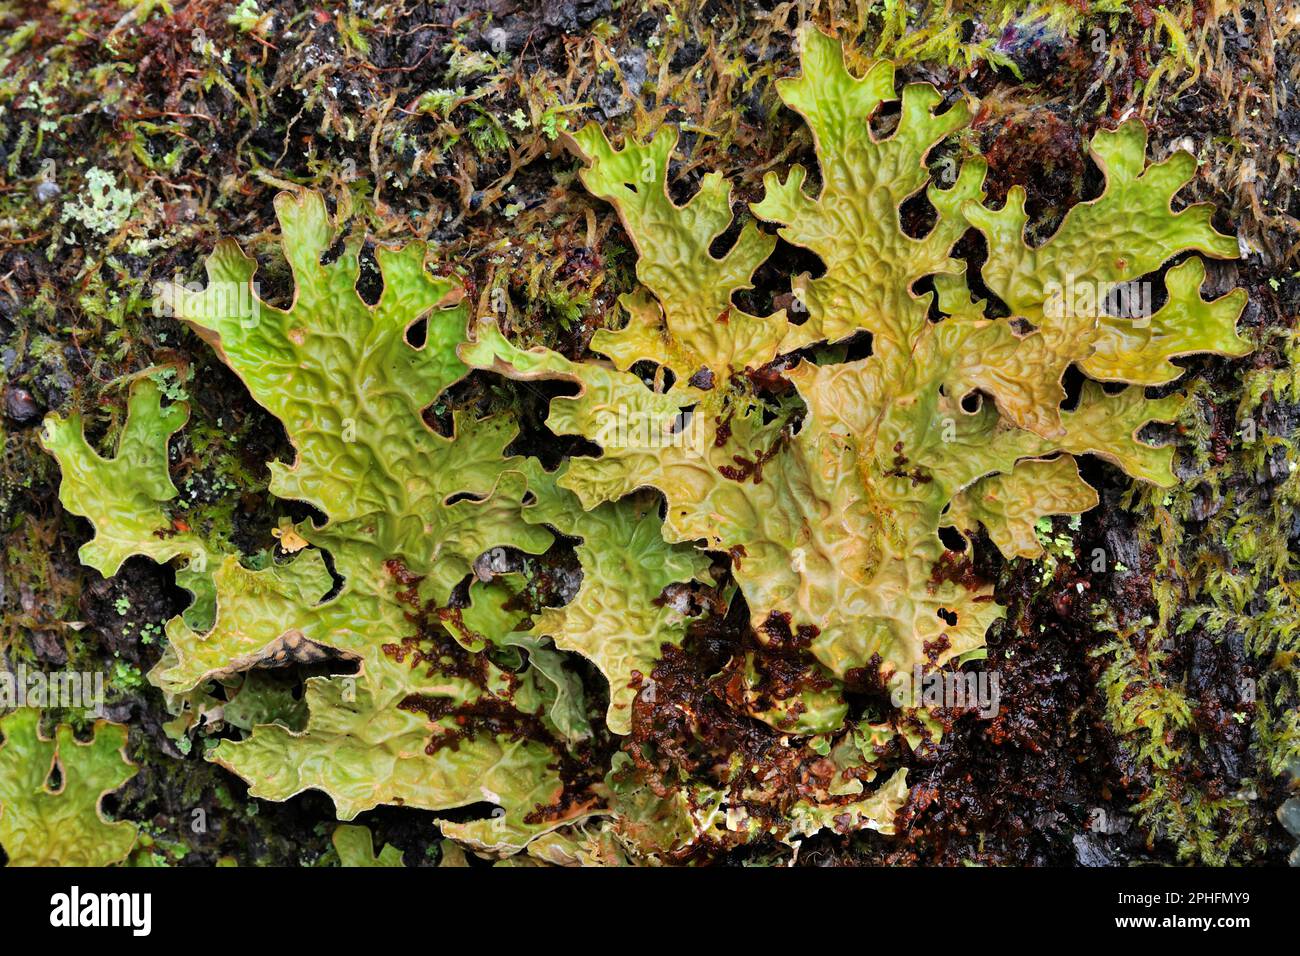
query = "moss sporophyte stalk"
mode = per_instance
[{"x": 815, "y": 512}]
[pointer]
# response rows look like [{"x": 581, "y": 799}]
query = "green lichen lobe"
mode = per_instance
[
  {"x": 42, "y": 825},
  {"x": 833, "y": 520}
]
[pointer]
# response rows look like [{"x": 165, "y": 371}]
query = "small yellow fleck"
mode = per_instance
[{"x": 290, "y": 540}]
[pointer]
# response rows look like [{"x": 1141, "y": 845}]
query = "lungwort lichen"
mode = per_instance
[
  {"x": 51, "y": 790},
  {"x": 826, "y": 500},
  {"x": 832, "y": 503}
]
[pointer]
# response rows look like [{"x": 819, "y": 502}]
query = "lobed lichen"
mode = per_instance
[
  {"x": 51, "y": 790},
  {"x": 292, "y": 612},
  {"x": 832, "y": 504}
]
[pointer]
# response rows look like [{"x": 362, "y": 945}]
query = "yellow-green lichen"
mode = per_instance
[
  {"x": 827, "y": 500},
  {"x": 51, "y": 791},
  {"x": 832, "y": 510}
]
